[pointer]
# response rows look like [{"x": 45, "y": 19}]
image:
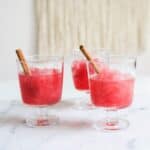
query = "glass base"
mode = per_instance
[
  {"x": 84, "y": 106},
  {"x": 111, "y": 124},
  {"x": 39, "y": 122},
  {"x": 39, "y": 116}
]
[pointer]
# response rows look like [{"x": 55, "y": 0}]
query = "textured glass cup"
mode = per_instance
[
  {"x": 42, "y": 88},
  {"x": 80, "y": 74},
  {"x": 112, "y": 89}
]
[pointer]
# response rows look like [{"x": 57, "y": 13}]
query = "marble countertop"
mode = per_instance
[{"x": 75, "y": 128}]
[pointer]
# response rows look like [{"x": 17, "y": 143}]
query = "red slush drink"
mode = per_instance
[
  {"x": 42, "y": 87},
  {"x": 80, "y": 75},
  {"x": 112, "y": 89}
]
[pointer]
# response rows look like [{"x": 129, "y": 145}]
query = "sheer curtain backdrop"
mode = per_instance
[{"x": 121, "y": 25}]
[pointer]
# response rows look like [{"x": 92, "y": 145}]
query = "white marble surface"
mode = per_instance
[{"x": 74, "y": 130}]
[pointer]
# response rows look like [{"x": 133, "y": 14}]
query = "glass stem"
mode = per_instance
[
  {"x": 111, "y": 116},
  {"x": 42, "y": 113}
]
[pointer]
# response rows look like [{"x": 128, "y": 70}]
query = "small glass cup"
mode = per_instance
[
  {"x": 80, "y": 75},
  {"x": 42, "y": 88},
  {"x": 112, "y": 89}
]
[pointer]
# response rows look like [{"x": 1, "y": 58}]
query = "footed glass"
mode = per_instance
[
  {"x": 80, "y": 75},
  {"x": 41, "y": 89},
  {"x": 112, "y": 89}
]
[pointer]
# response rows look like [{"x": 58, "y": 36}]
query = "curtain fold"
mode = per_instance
[{"x": 120, "y": 25}]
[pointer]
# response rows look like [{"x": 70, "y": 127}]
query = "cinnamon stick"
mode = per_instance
[
  {"x": 89, "y": 58},
  {"x": 23, "y": 61}
]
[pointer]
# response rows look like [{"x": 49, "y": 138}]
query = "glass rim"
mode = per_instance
[
  {"x": 97, "y": 51},
  {"x": 92, "y": 50},
  {"x": 41, "y": 58},
  {"x": 121, "y": 56}
]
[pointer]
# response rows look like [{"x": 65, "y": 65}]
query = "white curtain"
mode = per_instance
[{"x": 120, "y": 25}]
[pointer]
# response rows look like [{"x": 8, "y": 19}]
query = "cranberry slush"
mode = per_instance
[
  {"x": 112, "y": 89},
  {"x": 42, "y": 87},
  {"x": 80, "y": 75}
]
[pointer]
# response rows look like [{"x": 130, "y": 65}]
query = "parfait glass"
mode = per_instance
[
  {"x": 80, "y": 76},
  {"x": 112, "y": 89},
  {"x": 41, "y": 89}
]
